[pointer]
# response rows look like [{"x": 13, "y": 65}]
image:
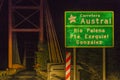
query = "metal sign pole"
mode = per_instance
[
  {"x": 74, "y": 63},
  {"x": 104, "y": 64}
]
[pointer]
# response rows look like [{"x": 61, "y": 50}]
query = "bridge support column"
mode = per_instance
[
  {"x": 10, "y": 50},
  {"x": 22, "y": 22},
  {"x": 10, "y": 36}
]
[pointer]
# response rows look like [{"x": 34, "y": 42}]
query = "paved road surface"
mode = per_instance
[{"x": 26, "y": 75}]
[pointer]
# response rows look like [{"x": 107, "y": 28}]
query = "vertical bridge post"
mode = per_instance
[{"x": 17, "y": 7}]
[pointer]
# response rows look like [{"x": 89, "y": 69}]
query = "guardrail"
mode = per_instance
[
  {"x": 3, "y": 75},
  {"x": 6, "y": 74}
]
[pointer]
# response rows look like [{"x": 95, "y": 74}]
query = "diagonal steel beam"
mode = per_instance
[
  {"x": 34, "y": 2},
  {"x": 17, "y": 1},
  {"x": 26, "y": 19}
]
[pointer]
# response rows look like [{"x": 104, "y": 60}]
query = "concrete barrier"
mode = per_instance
[
  {"x": 57, "y": 71},
  {"x": 3, "y": 75}
]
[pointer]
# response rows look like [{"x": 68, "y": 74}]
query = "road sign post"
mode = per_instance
[
  {"x": 104, "y": 64},
  {"x": 74, "y": 64}
]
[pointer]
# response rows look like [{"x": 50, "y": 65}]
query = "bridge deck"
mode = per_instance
[{"x": 25, "y": 75}]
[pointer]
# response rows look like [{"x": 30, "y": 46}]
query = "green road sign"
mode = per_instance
[{"x": 89, "y": 29}]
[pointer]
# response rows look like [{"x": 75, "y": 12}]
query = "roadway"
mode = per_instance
[{"x": 25, "y": 75}]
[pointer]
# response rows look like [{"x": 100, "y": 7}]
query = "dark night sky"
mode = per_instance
[{"x": 57, "y": 8}]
